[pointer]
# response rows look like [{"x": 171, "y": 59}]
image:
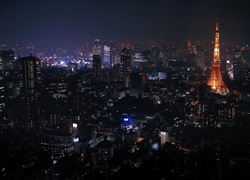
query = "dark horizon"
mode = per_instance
[{"x": 135, "y": 21}]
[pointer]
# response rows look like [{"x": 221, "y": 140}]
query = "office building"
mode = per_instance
[
  {"x": 237, "y": 65},
  {"x": 30, "y": 75},
  {"x": 97, "y": 64},
  {"x": 7, "y": 61},
  {"x": 113, "y": 53},
  {"x": 58, "y": 145},
  {"x": 137, "y": 83},
  {"x": 97, "y": 48},
  {"x": 106, "y": 56},
  {"x": 125, "y": 64}
]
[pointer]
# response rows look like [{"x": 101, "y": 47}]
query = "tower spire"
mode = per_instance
[
  {"x": 217, "y": 22},
  {"x": 216, "y": 81},
  {"x": 216, "y": 42}
]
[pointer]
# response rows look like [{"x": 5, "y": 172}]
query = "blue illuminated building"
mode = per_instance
[{"x": 127, "y": 123}]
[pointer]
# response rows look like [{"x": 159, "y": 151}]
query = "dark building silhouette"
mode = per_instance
[
  {"x": 126, "y": 68},
  {"x": 30, "y": 75},
  {"x": 137, "y": 83},
  {"x": 237, "y": 65},
  {"x": 155, "y": 53},
  {"x": 203, "y": 92},
  {"x": 97, "y": 64},
  {"x": 7, "y": 61}
]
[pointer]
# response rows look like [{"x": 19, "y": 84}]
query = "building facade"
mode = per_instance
[{"x": 126, "y": 67}]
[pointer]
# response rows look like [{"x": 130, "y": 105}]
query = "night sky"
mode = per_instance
[{"x": 125, "y": 20}]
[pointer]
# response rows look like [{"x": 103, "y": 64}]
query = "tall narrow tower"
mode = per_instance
[
  {"x": 31, "y": 75},
  {"x": 97, "y": 65},
  {"x": 216, "y": 81},
  {"x": 125, "y": 65}
]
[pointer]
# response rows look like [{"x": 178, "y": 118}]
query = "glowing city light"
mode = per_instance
[{"x": 76, "y": 139}]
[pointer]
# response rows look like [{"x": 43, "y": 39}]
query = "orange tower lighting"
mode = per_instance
[{"x": 216, "y": 81}]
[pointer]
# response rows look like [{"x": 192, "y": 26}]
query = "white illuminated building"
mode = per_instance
[
  {"x": 97, "y": 49},
  {"x": 106, "y": 56},
  {"x": 164, "y": 137}
]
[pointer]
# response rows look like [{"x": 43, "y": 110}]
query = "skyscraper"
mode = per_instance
[
  {"x": 97, "y": 64},
  {"x": 137, "y": 83},
  {"x": 125, "y": 64},
  {"x": 106, "y": 55},
  {"x": 7, "y": 61},
  {"x": 97, "y": 48},
  {"x": 8, "y": 66},
  {"x": 30, "y": 75},
  {"x": 113, "y": 53},
  {"x": 237, "y": 65},
  {"x": 216, "y": 81},
  {"x": 155, "y": 53}
]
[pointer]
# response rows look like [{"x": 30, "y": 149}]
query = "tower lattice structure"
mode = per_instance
[{"x": 216, "y": 81}]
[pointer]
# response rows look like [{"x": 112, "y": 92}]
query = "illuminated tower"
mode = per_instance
[{"x": 216, "y": 81}]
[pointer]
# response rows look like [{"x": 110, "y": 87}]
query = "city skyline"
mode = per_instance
[
  {"x": 105, "y": 89},
  {"x": 131, "y": 21}
]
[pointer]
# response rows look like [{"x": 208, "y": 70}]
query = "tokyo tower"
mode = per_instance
[{"x": 216, "y": 81}]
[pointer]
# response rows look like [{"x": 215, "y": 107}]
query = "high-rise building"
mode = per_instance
[
  {"x": 137, "y": 83},
  {"x": 237, "y": 65},
  {"x": 7, "y": 61},
  {"x": 140, "y": 59},
  {"x": 8, "y": 72},
  {"x": 216, "y": 81},
  {"x": 106, "y": 55},
  {"x": 58, "y": 144},
  {"x": 97, "y": 64},
  {"x": 30, "y": 75},
  {"x": 164, "y": 137},
  {"x": 113, "y": 53},
  {"x": 97, "y": 48},
  {"x": 126, "y": 67},
  {"x": 155, "y": 53}
]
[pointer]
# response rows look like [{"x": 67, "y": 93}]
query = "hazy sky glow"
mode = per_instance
[{"x": 139, "y": 20}]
